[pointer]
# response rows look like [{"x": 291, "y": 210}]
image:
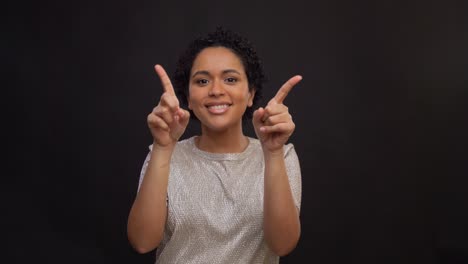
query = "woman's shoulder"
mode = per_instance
[
  {"x": 187, "y": 142},
  {"x": 257, "y": 145}
]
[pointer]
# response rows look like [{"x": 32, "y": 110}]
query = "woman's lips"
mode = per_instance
[{"x": 218, "y": 108}]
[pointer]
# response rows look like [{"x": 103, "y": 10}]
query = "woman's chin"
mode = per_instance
[{"x": 219, "y": 126}]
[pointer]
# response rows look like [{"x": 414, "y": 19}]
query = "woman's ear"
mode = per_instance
[
  {"x": 189, "y": 105},
  {"x": 251, "y": 97}
]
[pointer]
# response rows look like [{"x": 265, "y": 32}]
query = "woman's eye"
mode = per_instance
[
  {"x": 231, "y": 80},
  {"x": 202, "y": 81}
]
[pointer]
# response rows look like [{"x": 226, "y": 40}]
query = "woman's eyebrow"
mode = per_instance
[
  {"x": 231, "y": 71},
  {"x": 200, "y": 73},
  {"x": 208, "y": 73}
]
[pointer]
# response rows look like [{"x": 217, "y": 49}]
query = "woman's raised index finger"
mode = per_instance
[
  {"x": 286, "y": 88},
  {"x": 165, "y": 81}
]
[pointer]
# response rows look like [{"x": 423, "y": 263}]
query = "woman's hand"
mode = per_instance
[
  {"x": 273, "y": 124},
  {"x": 167, "y": 121}
]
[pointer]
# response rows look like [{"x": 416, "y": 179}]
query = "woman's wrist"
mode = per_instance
[
  {"x": 164, "y": 148},
  {"x": 273, "y": 154},
  {"x": 162, "y": 153}
]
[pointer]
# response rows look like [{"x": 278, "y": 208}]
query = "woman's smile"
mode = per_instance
[{"x": 218, "y": 108}]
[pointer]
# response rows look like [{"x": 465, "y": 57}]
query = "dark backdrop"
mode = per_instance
[{"x": 381, "y": 121}]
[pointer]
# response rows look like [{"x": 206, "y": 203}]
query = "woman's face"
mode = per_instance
[{"x": 219, "y": 89}]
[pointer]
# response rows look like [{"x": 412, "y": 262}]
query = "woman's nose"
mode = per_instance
[{"x": 216, "y": 89}]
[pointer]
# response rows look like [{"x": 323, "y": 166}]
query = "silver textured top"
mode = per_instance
[{"x": 215, "y": 205}]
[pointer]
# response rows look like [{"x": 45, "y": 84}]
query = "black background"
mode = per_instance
[{"x": 380, "y": 121}]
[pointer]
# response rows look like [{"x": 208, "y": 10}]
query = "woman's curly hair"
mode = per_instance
[{"x": 221, "y": 37}]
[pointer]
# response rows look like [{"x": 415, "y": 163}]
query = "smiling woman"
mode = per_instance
[{"x": 219, "y": 197}]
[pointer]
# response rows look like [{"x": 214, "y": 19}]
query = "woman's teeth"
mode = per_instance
[{"x": 218, "y": 106}]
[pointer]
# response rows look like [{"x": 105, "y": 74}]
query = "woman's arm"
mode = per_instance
[
  {"x": 147, "y": 218},
  {"x": 281, "y": 223},
  {"x": 273, "y": 126},
  {"x": 167, "y": 122}
]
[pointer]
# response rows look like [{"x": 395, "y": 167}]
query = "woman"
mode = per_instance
[{"x": 219, "y": 197}]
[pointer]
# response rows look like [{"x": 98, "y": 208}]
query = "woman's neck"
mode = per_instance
[{"x": 229, "y": 141}]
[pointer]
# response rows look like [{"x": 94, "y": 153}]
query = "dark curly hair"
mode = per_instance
[{"x": 221, "y": 37}]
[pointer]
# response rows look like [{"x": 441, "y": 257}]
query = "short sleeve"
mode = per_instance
[
  {"x": 144, "y": 168},
  {"x": 293, "y": 170}
]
